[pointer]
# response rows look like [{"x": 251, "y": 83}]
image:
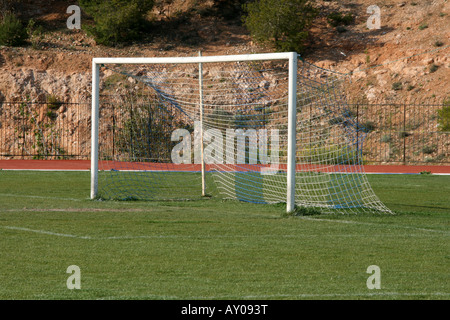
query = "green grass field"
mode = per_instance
[{"x": 215, "y": 249}]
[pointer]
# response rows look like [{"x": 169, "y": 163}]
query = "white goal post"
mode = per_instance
[
  {"x": 291, "y": 57},
  {"x": 160, "y": 124}
]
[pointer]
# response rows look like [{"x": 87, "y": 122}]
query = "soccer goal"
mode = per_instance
[{"x": 262, "y": 128}]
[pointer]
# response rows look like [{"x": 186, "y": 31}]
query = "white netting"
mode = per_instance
[{"x": 151, "y": 139}]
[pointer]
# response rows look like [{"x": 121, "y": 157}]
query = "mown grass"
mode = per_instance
[{"x": 218, "y": 249}]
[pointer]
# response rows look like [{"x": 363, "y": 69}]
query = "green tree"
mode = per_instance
[
  {"x": 283, "y": 23},
  {"x": 117, "y": 21},
  {"x": 12, "y": 32},
  {"x": 444, "y": 116}
]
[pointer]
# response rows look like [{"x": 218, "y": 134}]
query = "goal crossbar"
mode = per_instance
[
  {"x": 291, "y": 57},
  {"x": 199, "y": 59}
]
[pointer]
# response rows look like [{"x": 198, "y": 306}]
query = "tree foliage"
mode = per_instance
[
  {"x": 117, "y": 21},
  {"x": 444, "y": 116},
  {"x": 283, "y": 23},
  {"x": 12, "y": 31}
]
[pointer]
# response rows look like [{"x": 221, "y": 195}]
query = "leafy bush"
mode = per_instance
[
  {"x": 397, "y": 86},
  {"x": 117, "y": 21},
  {"x": 367, "y": 126},
  {"x": 444, "y": 116},
  {"x": 12, "y": 32},
  {"x": 53, "y": 102},
  {"x": 35, "y": 33},
  {"x": 429, "y": 149},
  {"x": 282, "y": 23},
  {"x": 423, "y": 26},
  {"x": 433, "y": 68},
  {"x": 142, "y": 131},
  {"x": 338, "y": 19}
]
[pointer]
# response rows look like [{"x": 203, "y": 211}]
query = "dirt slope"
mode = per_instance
[{"x": 388, "y": 64}]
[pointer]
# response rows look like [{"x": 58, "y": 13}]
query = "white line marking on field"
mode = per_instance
[
  {"x": 375, "y": 224},
  {"x": 162, "y": 236},
  {"x": 66, "y": 235},
  {"x": 47, "y": 232},
  {"x": 36, "y": 197}
]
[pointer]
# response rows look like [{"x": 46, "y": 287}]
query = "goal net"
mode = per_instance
[{"x": 262, "y": 128}]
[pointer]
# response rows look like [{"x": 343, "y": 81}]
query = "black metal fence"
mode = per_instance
[
  {"x": 403, "y": 133},
  {"x": 395, "y": 133},
  {"x": 30, "y": 130}
]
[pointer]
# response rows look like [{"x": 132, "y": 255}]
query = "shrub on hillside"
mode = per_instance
[
  {"x": 12, "y": 32},
  {"x": 338, "y": 19},
  {"x": 229, "y": 9},
  {"x": 444, "y": 116},
  {"x": 117, "y": 21},
  {"x": 283, "y": 23}
]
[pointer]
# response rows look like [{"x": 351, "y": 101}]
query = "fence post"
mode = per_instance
[
  {"x": 357, "y": 134},
  {"x": 404, "y": 135},
  {"x": 23, "y": 137}
]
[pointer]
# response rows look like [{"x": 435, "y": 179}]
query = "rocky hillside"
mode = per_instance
[{"x": 387, "y": 64}]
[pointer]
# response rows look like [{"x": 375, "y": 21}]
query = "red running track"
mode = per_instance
[{"x": 69, "y": 165}]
